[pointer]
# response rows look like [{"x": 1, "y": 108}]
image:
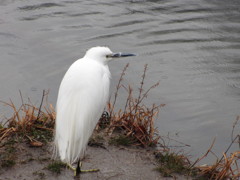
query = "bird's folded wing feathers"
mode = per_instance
[{"x": 79, "y": 106}]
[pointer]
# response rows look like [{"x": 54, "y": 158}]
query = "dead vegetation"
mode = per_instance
[
  {"x": 131, "y": 125},
  {"x": 170, "y": 163},
  {"x": 29, "y": 122},
  {"x": 227, "y": 167},
  {"x": 135, "y": 120}
]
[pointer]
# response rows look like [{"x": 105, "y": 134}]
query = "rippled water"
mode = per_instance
[{"x": 191, "y": 46}]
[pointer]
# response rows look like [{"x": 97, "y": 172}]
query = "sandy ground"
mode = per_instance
[{"x": 115, "y": 163}]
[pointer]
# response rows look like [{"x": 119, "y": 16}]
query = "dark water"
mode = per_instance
[{"x": 191, "y": 46}]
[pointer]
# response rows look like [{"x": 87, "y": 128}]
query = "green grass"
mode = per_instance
[
  {"x": 56, "y": 167},
  {"x": 43, "y": 136},
  {"x": 7, "y": 163},
  {"x": 121, "y": 140},
  {"x": 170, "y": 163},
  {"x": 8, "y": 158}
]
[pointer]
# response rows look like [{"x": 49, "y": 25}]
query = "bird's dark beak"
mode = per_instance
[{"x": 116, "y": 55}]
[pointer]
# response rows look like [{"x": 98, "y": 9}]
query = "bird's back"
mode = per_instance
[{"x": 82, "y": 96}]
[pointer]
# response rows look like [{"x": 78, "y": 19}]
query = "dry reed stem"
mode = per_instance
[
  {"x": 223, "y": 169},
  {"x": 135, "y": 119},
  {"x": 205, "y": 155},
  {"x": 26, "y": 118},
  {"x": 6, "y": 132},
  {"x": 118, "y": 87},
  {"x": 226, "y": 167}
]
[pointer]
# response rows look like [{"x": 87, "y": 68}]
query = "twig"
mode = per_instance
[
  {"x": 39, "y": 127},
  {"x": 118, "y": 87},
  {"x": 234, "y": 125},
  {"x": 39, "y": 110},
  {"x": 146, "y": 93},
  {"x": 229, "y": 147},
  {"x": 141, "y": 86},
  {"x": 22, "y": 99},
  {"x": 128, "y": 98},
  {"x": 209, "y": 150}
]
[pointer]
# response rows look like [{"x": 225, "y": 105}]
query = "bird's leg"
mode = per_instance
[
  {"x": 78, "y": 169},
  {"x": 85, "y": 171}
]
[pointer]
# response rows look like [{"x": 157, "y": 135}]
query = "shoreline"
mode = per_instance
[{"x": 114, "y": 162}]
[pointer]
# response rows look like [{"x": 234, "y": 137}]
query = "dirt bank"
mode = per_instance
[{"x": 115, "y": 163}]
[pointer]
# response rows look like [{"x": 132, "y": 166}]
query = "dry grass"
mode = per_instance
[
  {"x": 227, "y": 167},
  {"x": 136, "y": 120},
  {"x": 29, "y": 122}
]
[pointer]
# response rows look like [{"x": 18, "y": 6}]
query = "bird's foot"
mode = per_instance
[{"x": 78, "y": 169}]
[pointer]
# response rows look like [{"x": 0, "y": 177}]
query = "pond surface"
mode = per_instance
[{"x": 191, "y": 46}]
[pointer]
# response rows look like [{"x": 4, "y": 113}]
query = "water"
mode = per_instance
[{"x": 191, "y": 46}]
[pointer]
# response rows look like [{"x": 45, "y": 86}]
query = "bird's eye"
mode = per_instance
[{"x": 108, "y": 56}]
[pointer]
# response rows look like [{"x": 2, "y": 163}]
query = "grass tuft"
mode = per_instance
[
  {"x": 29, "y": 122},
  {"x": 56, "y": 167},
  {"x": 225, "y": 168},
  {"x": 121, "y": 140},
  {"x": 170, "y": 163},
  {"x": 135, "y": 120}
]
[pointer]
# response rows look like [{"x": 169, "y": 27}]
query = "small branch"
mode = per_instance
[
  {"x": 39, "y": 127},
  {"x": 39, "y": 110},
  {"x": 230, "y": 146},
  {"x": 146, "y": 93},
  {"x": 117, "y": 88},
  {"x": 209, "y": 150},
  {"x": 234, "y": 125},
  {"x": 141, "y": 84}
]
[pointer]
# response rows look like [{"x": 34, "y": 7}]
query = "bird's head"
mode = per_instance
[{"x": 104, "y": 54}]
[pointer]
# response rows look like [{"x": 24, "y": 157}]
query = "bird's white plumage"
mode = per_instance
[{"x": 82, "y": 96}]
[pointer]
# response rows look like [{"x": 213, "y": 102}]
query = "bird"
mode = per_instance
[{"x": 82, "y": 97}]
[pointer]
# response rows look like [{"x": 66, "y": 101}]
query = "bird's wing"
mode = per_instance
[{"x": 83, "y": 94}]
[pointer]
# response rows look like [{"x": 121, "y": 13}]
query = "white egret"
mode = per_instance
[{"x": 82, "y": 96}]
